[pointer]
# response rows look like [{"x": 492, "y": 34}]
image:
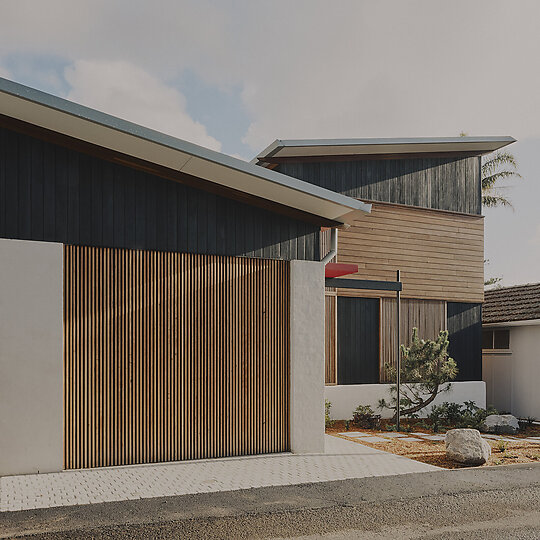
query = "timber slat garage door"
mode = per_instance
[{"x": 173, "y": 356}]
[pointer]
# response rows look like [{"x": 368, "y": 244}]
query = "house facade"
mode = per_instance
[
  {"x": 426, "y": 221},
  {"x": 158, "y": 301},
  {"x": 510, "y": 349}
]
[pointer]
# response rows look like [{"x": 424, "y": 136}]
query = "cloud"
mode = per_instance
[
  {"x": 313, "y": 68},
  {"x": 129, "y": 92}
]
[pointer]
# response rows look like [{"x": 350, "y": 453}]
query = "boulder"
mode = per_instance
[
  {"x": 467, "y": 446},
  {"x": 500, "y": 423}
]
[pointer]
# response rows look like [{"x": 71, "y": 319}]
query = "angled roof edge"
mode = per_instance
[
  {"x": 77, "y": 121},
  {"x": 367, "y": 146}
]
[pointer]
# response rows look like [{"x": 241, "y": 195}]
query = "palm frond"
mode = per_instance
[
  {"x": 488, "y": 181},
  {"x": 495, "y": 200},
  {"x": 496, "y": 160}
]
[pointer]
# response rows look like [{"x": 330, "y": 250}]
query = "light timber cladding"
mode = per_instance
[
  {"x": 440, "y": 254},
  {"x": 172, "y": 356},
  {"x": 330, "y": 338},
  {"x": 428, "y": 316}
]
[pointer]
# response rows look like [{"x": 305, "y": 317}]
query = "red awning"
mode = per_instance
[{"x": 339, "y": 269}]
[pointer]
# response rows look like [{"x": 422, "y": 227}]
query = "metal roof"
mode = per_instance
[
  {"x": 358, "y": 147},
  {"x": 95, "y": 127}
]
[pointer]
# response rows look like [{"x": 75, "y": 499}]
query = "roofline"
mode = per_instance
[
  {"x": 86, "y": 116},
  {"x": 508, "y": 287},
  {"x": 362, "y": 143},
  {"x": 518, "y": 322}
]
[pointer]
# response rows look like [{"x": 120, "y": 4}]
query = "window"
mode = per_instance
[{"x": 495, "y": 339}]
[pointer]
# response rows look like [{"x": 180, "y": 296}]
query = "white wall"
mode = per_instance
[
  {"x": 497, "y": 374},
  {"x": 525, "y": 345},
  {"x": 307, "y": 357},
  {"x": 31, "y": 378},
  {"x": 513, "y": 378},
  {"x": 345, "y": 398}
]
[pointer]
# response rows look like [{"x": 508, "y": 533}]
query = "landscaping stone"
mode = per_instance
[
  {"x": 373, "y": 438},
  {"x": 397, "y": 435},
  {"x": 467, "y": 446},
  {"x": 435, "y": 437},
  {"x": 501, "y": 423}
]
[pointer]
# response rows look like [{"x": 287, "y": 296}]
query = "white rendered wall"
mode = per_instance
[
  {"x": 497, "y": 374},
  {"x": 31, "y": 378},
  {"x": 525, "y": 346},
  {"x": 513, "y": 378},
  {"x": 345, "y": 398},
  {"x": 307, "y": 357}
]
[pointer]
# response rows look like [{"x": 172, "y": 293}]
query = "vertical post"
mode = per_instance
[{"x": 398, "y": 352}]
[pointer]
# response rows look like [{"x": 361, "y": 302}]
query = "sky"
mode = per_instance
[{"x": 234, "y": 75}]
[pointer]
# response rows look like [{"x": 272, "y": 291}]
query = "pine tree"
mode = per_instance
[{"x": 426, "y": 371}]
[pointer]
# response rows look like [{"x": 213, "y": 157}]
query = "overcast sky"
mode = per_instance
[{"x": 235, "y": 75}]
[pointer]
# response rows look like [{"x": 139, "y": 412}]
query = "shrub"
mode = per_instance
[
  {"x": 468, "y": 415},
  {"x": 328, "y": 422},
  {"x": 426, "y": 370},
  {"x": 364, "y": 416}
]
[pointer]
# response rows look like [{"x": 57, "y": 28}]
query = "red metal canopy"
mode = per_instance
[{"x": 332, "y": 270}]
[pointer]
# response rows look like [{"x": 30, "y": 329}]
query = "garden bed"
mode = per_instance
[{"x": 505, "y": 449}]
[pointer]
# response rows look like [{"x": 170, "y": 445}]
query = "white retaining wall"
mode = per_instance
[
  {"x": 307, "y": 357},
  {"x": 345, "y": 398},
  {"x": 31, "y": 374}
]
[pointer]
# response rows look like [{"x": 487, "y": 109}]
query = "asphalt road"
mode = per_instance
[{"x": 497, "y": 502}]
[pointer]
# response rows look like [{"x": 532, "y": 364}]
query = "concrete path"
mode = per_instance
[
  {"x": 342, "y": 460},
  {"x": 486, "y": 503}
]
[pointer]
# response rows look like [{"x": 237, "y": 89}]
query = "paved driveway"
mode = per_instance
[{"x": 342, "y": 460}]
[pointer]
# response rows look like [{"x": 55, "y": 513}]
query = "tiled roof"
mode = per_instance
[{"x": 519, "y": 303}]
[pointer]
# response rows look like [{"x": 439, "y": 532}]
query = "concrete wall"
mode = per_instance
[
  {"x": 345, "y": 398},
  {"x": 307, "y": 357},
  {"x": 31, "y": 378},
  {"x": 512, "y": 378}
]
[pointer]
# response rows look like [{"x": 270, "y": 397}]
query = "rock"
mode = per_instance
[
  {"x": 467, "y": 446},
  {"x": 500, "y": 423}
]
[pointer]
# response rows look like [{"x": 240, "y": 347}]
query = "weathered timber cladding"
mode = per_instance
[
  {"x": 428, "y": 316},
  {"x": 51, "y": 193},
  {"x": 172, "y": 356},
  {"x": 443, "y": 183},
  {"x": 330, "y": 342},
  {"x": 465, "y": 336},
  {"x": 358, "y": 340},
  {"x": 440, "y": 255}
]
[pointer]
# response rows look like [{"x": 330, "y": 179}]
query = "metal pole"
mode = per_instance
[{"x": 398, "y": 352}]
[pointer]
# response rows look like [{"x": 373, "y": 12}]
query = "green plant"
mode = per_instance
[
  {"x": 364, "y": 416},
  {"x": 347, "y": 425},
  {"x": 328, "y": 422},
  {"x": 426, "y": 370},
  {"x": 501, "y": 446}
]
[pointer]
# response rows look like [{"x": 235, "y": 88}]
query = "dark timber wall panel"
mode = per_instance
[
  {"x": 444, "y": 183},
  {"x": 465, "y": 335},
  {"x": 48, "y": 192},
  {"x": 358, "y": 340},
  {"x": 173, "y": 356}
]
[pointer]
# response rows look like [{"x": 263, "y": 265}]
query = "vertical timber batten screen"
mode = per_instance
[{"x": 171, "y": 356}]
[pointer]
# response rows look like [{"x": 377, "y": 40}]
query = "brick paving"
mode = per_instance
[{"x": 342, "y": 460}]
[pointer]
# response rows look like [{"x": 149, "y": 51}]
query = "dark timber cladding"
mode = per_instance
[
  {"x": 465, "y": 336},
  {"x": 52, "y": 193},
  {"x": 444, "y": 183},
  {"x": 358, "y": 340}
]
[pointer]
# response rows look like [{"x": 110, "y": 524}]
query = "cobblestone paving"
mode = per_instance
[{"x": 341, "y": 460}]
